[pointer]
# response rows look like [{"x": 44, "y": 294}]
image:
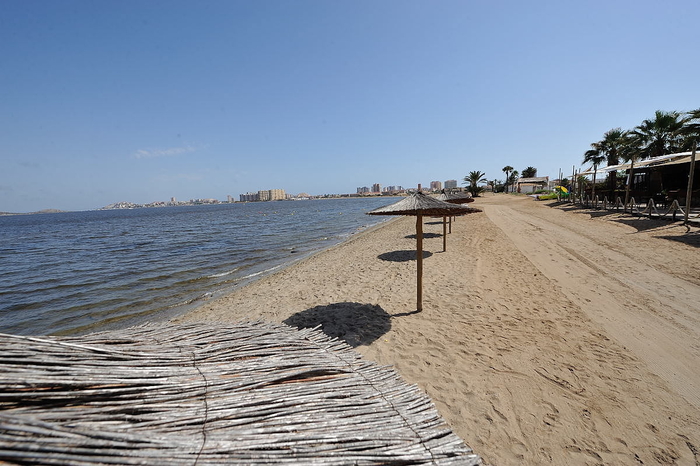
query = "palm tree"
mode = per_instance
[
  {"x": 596, "y": 158},
  {"x": 507, "y": 169},
  {"x": 691, "y": 129},
  {"x": 530, "y": 172},
  {"x": 492, "y": 184},
  {"x": 513, "y": 178},
  {"x": 662, "y": 135},
  {"x": 473, "y": 180},
  {"x": 611, "y": 147},
  {"x": 631, "y": 151}
]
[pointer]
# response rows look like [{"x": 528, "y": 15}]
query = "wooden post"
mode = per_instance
[
  {"x": 595, "y": 199},
  {"x": 419, "y": 260},
  {"x": 630, "y": 180},
  {"x": 689, "y": 194},
  {"x": 444, "y": 234}
]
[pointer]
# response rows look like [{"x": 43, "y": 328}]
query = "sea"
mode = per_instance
[{"x": 72, "y": 273}]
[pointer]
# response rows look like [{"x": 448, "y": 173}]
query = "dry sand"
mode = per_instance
[{"x": 549, "y": 335}]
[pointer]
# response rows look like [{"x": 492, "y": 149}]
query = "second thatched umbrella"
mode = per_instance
[
  {"x": 418, "y": 205},
  {"x": 452, "y": 198},
  {"x": 455, "y": 198}
]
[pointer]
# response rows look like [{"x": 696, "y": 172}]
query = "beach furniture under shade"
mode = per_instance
[
  {"x": 420, "y": 205},
  {"x": 200, "y": 394}
]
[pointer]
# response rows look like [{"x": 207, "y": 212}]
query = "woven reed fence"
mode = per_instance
[{"x": 198, "y": 394}]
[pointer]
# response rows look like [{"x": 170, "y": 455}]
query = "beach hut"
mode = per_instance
[
  {"x": 200, "y": 394},
  {"x": 420, "y": 205}
]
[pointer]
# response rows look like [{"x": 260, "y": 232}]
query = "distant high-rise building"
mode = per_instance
[
  {"x": 229, "y": 199},
  {"x": 277, "y": 194},
  {"x": 249, "y": 197},
  {"x": 264, "y": 195},
  {"x": 376, "y": 188},
  {"x": 363, "y": 190},
  {"x": 435, "y": 185},
  {"x": 450, "y": 184}
]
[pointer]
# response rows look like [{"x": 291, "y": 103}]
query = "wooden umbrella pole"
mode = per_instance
[
  {"x": 419, "y": 259},
  {"x": 689, "y": 192},
  {"x": 444, "y": 234}
]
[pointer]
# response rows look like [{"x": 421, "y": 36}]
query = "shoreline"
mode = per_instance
[
  {"x": 179, "y": 310},
  {"x": 221, "y": 294},
  {"x": 516, "y": 344}
]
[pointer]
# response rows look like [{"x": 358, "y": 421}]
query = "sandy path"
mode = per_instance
[
  {"x": 652, "y": 312},
  {"x": 521, "y": 366}
]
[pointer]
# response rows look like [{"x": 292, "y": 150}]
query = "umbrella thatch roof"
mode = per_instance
[
  {"x": 454, "y": 198},
  {"x": 420, "y": 204},
  {"x": 202, "y": 394}
]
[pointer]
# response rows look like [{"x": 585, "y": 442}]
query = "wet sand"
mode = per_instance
[{"x": 549, "y": 334}]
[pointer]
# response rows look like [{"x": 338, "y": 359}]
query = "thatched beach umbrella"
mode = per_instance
[
  {"x": 452, "y": 198},
  {"x": 418, "y": 205},
  {"x": 245, "y": 393}
]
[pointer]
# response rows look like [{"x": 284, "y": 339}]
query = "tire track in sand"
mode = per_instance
[{"x": 653, "y": 314}]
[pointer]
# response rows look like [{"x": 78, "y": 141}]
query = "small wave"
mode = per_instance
[
  {"x": 200, "y": 297},
  {"x": 261, "y": 272},
  {"x": 223, "y": 274}
]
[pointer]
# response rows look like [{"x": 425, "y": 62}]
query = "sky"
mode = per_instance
[{"x": 143, "y": 100}]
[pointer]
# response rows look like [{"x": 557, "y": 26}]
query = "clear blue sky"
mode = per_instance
[{"x": 106, "y": 101}]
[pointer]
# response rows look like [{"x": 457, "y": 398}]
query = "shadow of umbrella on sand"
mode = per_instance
[
  {"x": 355, "y": 323},
  {"x": 418, "y": 205}
]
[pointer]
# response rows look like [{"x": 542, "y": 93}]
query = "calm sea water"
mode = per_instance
[{"x": 79, "y": 272}]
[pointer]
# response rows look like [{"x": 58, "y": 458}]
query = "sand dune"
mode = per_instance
[{"x": 548, "y": 335}]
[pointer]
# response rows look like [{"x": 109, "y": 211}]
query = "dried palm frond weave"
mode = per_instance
[
  {"x": 420, "y": 204},
  {"x": 454, "y": 198},
  {"x": 202, "y": 394}
]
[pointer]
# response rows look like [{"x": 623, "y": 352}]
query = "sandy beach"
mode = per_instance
[{"x": 549, "y": 334}]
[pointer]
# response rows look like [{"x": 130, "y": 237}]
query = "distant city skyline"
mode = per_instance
[{"x": 141, "y": 101}]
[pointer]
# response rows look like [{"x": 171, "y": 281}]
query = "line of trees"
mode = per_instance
[
  {"x": 666, "y": 133},
  {"x": 512, "y": 175},
  {"x": 475, "y": 179}
]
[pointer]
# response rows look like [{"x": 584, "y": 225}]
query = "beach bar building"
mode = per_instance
[
  {"x": 663, "y": 179},
  {"x": 530, "y": 185}
]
